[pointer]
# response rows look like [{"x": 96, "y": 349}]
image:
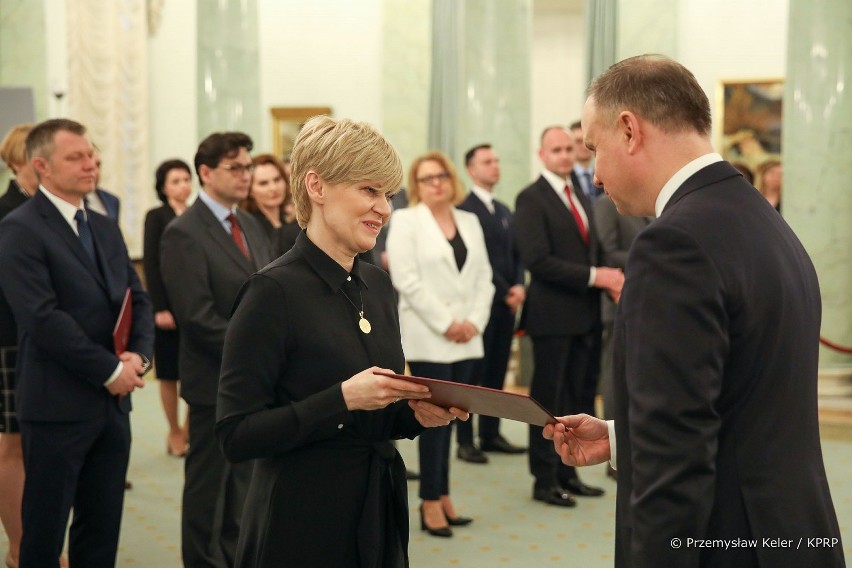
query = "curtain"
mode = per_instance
[{"x": 108, "y": 93}]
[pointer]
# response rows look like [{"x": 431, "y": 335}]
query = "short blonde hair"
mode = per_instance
[
  {"x": 447, "y": 164},
  {"x": 341, "y": 151},
  {"x": 13, "y": 149}
]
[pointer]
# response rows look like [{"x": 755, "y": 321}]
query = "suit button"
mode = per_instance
[{"x": 340, "y": 426}]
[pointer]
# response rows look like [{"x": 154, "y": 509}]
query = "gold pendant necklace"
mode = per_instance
[{"x": 363, "y": 323}]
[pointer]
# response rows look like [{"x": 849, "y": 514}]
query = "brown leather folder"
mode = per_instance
[
  {"x": 482, "y": 400},
  {"x": 121, "y": 331}
]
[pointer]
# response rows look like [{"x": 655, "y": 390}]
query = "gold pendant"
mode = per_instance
[{"x": 364, "y": 325}]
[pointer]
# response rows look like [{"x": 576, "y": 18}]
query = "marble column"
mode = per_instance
[
  {"x": 406, "y": 64},
  {"x": 228, "y": 68},
  {"x": 817, "y": 143},
  {"x": 491, "y": 68},
  {"x": 23, "y": 51}
]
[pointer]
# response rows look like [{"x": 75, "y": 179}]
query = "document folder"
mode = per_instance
[
  {"x": 482, "y": 400},
  {"x": 121, "y": 331}
]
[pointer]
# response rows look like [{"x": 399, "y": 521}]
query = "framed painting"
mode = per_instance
[
  {"x": 286, "y": 124},
  {"x": 748, "y": 126}
]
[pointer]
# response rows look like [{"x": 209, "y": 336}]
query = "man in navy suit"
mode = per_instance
[
  {"x": 584, "y": 168},
  {"x": 65, "y": 274},
  {"x": 555, "y": 232},
  {"x": 483, "y": 167},
  {"x": 101, "y": 201},
  {"x": 716, "y": 346}
]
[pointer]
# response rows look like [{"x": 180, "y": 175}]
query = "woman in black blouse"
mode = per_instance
[
  {"x": 269, "y": 191},
  {"x": 298, "y": 391},
  {"x": 173, "y": 183}
]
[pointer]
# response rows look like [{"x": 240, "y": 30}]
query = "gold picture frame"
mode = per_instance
[
  {"x": 749, "y": 121},
  {"x": 286, "y": 124}
]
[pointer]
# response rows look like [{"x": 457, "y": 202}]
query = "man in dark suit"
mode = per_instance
[
  {"x": 483, "y": 167},
  {"x": 101, "y": 201},
  {"x": 716, "y": 346},
  {"x": 555, "y": 234},
  {"x": 584, "y": 168},
  {"x": 65, "y": 274},
  {"x": 206, "y": 255},
  {"x": 615, "y": 235}
]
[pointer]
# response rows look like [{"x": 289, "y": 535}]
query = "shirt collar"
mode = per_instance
[
  {"x": 326, "y": 267},
  {"x": 580, "y": 170},
  {"x": 681, "y": 176},
  {"x": 483, "y": 194},
  {"x": 556, "y": 182},
  {"x": 65, "y": 209},
  {"x": 220, "y": 211}
]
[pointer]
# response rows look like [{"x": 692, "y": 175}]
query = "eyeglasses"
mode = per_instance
[
  {"x": 430, "y": 180},
  {"x": 238, "y": 169}
]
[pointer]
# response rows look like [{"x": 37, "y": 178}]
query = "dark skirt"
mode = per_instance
[
  {"x": 166, "y": 346},
  {"x": 8, "y": 416}
]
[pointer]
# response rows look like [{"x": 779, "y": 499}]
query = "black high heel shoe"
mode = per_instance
[
  {"x": 442, "y": 532},
  {"x": 458, "y": 521}
]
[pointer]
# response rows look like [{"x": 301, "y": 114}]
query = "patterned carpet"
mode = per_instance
[{"x": 509, "y": 530}]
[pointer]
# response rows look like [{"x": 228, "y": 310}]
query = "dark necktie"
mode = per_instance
[
  {"x": 584, "y": 231},
  {"x": 590, "y": 186},
  {"x": 85, "y": 233},
  {"x": 237, "y": 235}
]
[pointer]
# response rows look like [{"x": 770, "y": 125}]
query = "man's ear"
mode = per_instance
[
  {"x": 203, "y": 174},
  {"x": 40, "y": 166},
  {"x": 631, "y": 130},
  {"x": 315, "y": 187}
]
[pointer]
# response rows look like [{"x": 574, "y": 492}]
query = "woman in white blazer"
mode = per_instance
[{"x": 439, "y": 266}]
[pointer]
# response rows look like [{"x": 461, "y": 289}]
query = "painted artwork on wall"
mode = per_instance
[
  {"x": 749, "y": 123},
  {"x": 286, "y": 124}
]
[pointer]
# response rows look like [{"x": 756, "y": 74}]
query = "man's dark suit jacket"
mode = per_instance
[
  {"x": 497, "y": 228},
  {"x": 715, "y": 385},
  {"x": 203, "y": 269},
  {"x": 111, "y": 203},
  {"x": 66, "y": 307},
  {"x": 559, "y": 299}
]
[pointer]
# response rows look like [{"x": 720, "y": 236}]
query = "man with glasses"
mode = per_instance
[{"x": 206, "y": 255}]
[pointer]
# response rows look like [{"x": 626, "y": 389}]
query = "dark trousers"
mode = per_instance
[
  {"x": 490, "y": 371},
  {"x": 434, "y": 443},
  {"x": 564, "y": 381},
  {"x": 214, "y": 492},
  {"x": 81, "y": 465}
]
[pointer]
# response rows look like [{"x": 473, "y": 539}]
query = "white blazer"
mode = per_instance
[{"x": 432, "y": 291}]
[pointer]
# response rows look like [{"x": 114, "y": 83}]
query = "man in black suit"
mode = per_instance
[
  {"x": 555, "y": 235},
  {"x": 65, "y": 274},
  {"x": 483, "y": 167},
  {"x": 206, "y": 255},
  {"x": 716, "y": 346}
]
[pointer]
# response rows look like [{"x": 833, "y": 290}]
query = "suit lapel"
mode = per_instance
[
  {"x": 430, "y": 224},
  {"x": 707, "y": 175},
  {"x": 60, "y": 226},
  {"x": 222, "y": 238},
  {"x": 251, "y": 239},
  {"x": 554, "y": 202}
]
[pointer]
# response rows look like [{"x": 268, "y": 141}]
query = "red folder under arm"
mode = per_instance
[{"x": 121, "y": 331}]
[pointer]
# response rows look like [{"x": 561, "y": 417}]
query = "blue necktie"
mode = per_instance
[
  {"x": 85, "y": 234},
  {"x": 591, "y": 191}
]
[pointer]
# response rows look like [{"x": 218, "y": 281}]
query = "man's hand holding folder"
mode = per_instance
[{"x": 134, "y": 366}]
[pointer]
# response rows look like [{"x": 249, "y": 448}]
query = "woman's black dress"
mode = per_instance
[{"x": 328, "y": 487}]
